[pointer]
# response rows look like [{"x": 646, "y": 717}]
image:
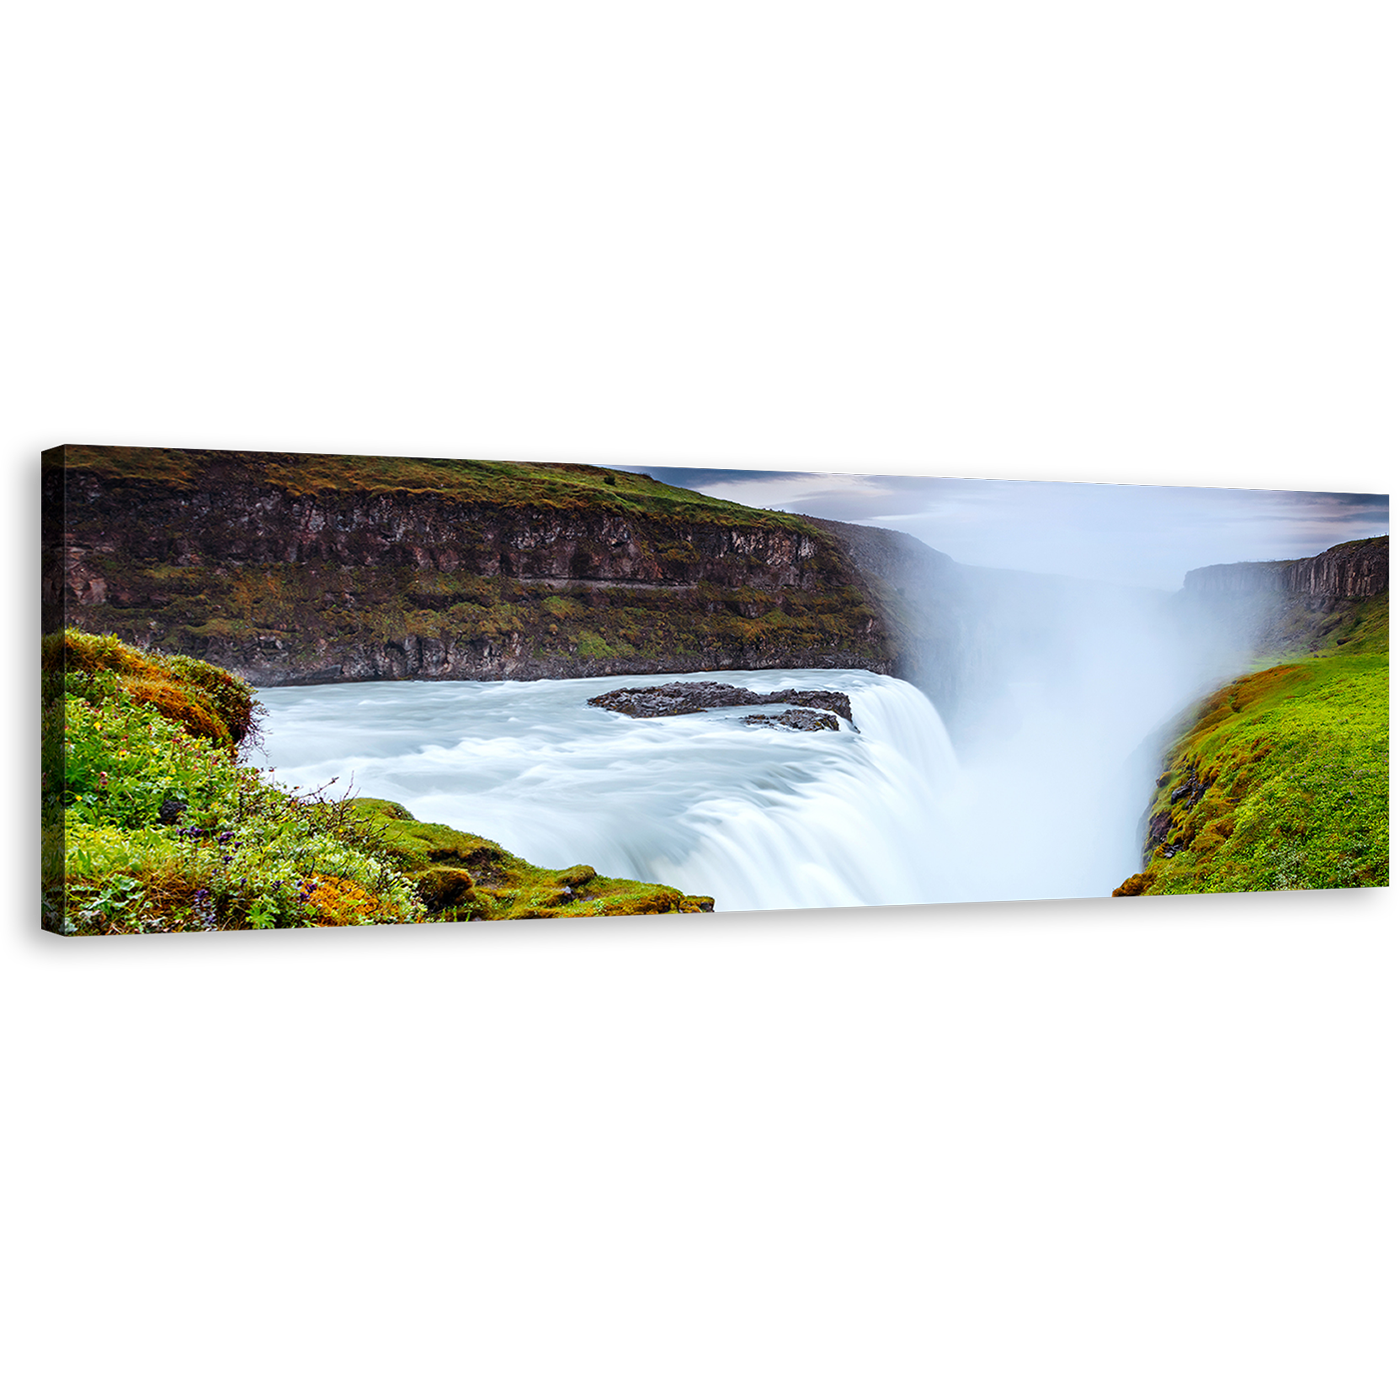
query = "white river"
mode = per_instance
[
  {"x": 879, "y": 813},
  {"x": 759, "y": 818}
]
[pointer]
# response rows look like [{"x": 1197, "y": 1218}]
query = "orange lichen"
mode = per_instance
[{"x": 340, "y": 901}]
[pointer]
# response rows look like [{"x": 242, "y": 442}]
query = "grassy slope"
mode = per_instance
[
  {"x": 557, "y": 485},
  {"x": 199, "y": 608},
  {"x": 469, "y": 877},
  {"x": 151, "y": 824},
  {"x": 1283, "y": 781}
]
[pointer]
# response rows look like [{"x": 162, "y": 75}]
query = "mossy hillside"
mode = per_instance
[
  {"x": 151, "y": 823},
  {"x": 203, "y": 699},
  {"x": 468, "y": 877},
  {"x": 1359, "y": 625},
  {"x": 1282, "y": 781},
  {"x": 552, "y": 485},
  {"x": 1293, "y": 626}
]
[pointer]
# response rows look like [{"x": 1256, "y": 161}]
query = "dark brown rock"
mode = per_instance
[{"x": 692, "y": 697}]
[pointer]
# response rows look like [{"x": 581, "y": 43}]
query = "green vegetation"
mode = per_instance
[
  {"x": 556, "y": 485},
  {"x": 1282, "y": 782},
  {"x": 472, "y": 878},
  {"x": 151, "y": 823}
]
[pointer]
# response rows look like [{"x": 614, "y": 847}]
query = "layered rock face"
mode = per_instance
[
  {"x": 1260, "y": 577},
  {"x": 237, "y": 523},
  {"x": 1291, "y": 606},
  {"x": 1356, "y": 569},
  {"x": 224, "y": 561}
]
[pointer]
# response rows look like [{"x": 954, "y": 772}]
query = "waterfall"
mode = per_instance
[{"x": 760, "y": 818}]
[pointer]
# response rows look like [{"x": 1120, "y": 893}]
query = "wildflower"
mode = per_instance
[{"x": 204, "y": 908}]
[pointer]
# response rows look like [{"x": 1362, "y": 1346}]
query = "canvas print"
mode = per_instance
[{"x": 283, "y": 690}]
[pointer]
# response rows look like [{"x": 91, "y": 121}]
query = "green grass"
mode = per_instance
[
  {"x": 151, "y": 823},
  {"x": 1282, "y": 782},
  {"x": 473, "y": 878},
  {"x": 556, "y": 485}
]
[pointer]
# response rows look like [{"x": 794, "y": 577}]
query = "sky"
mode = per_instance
[{"x": 1139, "y": 535}]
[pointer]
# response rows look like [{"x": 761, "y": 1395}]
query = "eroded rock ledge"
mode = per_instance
[{"x": 691, "y": 697}]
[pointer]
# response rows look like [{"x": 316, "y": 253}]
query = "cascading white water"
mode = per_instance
[{"x": 760, "y": 818}]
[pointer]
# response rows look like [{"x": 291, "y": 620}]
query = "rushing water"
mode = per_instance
[
  {"x": 759, "y": 818},
  {"x": 881, "y": 812}
]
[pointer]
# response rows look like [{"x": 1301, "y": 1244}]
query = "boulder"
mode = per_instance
[{"x": 442, "y": 886}]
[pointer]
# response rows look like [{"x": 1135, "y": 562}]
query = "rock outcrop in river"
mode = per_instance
[{"x": 693, "y": 697}]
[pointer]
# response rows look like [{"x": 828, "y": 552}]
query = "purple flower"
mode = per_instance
[{"x": 204, "y": 908}]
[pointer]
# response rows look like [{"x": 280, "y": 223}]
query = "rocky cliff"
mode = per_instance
[
  {"x": 1288, "y": 607},
  {"x": 1356, "y": 569},
  {"x": 290, "y": 568}
]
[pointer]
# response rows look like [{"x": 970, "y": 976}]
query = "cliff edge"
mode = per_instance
[
  {"x": 1356, "y": 569},
  {"x": 289, "y": 568}
]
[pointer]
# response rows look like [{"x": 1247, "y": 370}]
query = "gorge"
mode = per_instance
[{"x": 432, "y": 632}]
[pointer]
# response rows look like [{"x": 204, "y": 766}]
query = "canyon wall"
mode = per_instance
[
  {"x": 1291, "y": 606},
  {"x": 580, "y": 572},
  {"x": 1356, "y": 569}
]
